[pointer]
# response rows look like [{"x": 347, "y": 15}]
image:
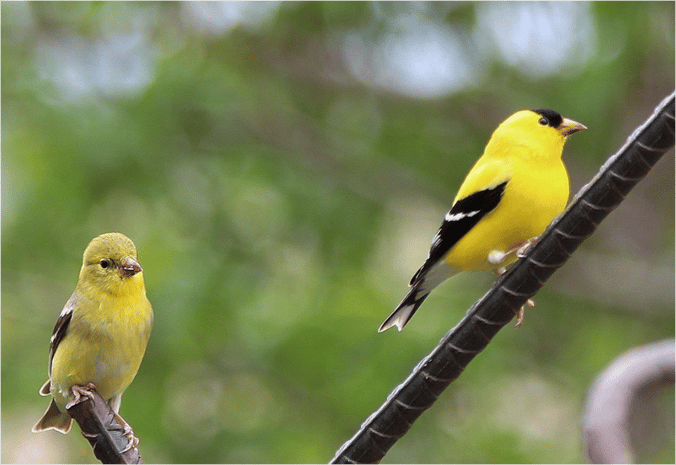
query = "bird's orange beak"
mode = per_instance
[
  {"x": 568, "y": 127},
  {"x": 130, "y": 267}
]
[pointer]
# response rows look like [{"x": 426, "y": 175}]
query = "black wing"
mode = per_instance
[
  {"x": 462, "y": 217},
  {"x": 61, "y": 327}
]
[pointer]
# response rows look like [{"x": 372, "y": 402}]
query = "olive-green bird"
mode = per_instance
[{"x": 102, "y": 332}]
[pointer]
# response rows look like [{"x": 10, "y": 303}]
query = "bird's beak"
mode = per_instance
[
  {"x": 130, "y": 267},
  {"x": 568, "y": 127}
]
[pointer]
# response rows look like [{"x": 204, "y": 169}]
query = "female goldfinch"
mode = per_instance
[
  {"x": 102, "y": 332},
  {"x": 517, "y": 187}
]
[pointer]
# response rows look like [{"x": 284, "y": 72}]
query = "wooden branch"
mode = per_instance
[
  {"x": 639, "y": 372},
  {"x": 522, "y": 281},
  {"x": 101, "y": 427}
]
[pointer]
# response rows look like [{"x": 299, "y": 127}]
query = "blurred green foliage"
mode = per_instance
[{"x": 280, "y": 202}]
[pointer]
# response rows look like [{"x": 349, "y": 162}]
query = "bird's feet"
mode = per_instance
[
  {"x": 79, "y": 392},
  {"x": 522, "y": 250},
  {"x": 520, "y": 315},
  {"x": 522, "y": 312},
  {"x": 127, "y": 432},
  {"x": 496, "y": 257}
]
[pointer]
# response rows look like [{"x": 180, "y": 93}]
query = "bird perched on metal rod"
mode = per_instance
[{"x": 512, "y": 193}]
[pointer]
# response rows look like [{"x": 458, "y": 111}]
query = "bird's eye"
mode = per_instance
[
  {"x": 105, "y": 263},
  {"x": 543, "y": 121}
]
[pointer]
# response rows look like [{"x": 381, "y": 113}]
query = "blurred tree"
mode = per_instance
[{"x": 282, "y": 168}]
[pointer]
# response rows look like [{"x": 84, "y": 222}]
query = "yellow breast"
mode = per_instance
[
  {"x": 535, "y": 194},
  {"x": 104, "y": 345}
]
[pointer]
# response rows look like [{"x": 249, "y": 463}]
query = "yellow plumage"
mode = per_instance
[
  {"x": 529, "y": 156},
  {"x": 102, "y": 332},
  {"x": 509, "y": 197}
]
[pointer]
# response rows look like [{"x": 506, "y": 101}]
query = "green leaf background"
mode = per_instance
[{"x": 281, "y": 201}]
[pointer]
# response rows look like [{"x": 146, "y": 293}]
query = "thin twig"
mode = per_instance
[{"x": 102, "y": 429}]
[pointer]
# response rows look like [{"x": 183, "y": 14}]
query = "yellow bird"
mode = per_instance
[
  {"x": 102, "y": 332},
  {"x": 512, "y": 193}
]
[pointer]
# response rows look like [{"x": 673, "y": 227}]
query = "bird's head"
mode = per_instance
[
  {"x": 110, "y": 264},
  {"x": 543, "y": 130}
]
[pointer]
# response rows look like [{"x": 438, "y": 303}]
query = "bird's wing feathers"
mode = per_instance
[
  {"x": 462, "y": 217},
  {"x": 61, "y": 327}
]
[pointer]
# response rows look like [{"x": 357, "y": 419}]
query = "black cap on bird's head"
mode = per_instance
[{"x": 554, "y": 119}]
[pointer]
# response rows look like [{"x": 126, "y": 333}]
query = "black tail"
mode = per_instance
[{"x": 405, "y": 310}]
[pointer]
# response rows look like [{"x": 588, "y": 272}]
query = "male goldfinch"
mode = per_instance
[
  {"x": 101, "y": 334},
  {"x": 517, "y": 187}
]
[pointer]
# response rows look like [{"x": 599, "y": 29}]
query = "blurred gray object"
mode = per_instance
[{"x": 636, "y": 374}]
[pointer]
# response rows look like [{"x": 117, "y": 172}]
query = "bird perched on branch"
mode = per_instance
[
  {"x": 517, "y": 187},
  {"x": 102, "y": 332}
]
